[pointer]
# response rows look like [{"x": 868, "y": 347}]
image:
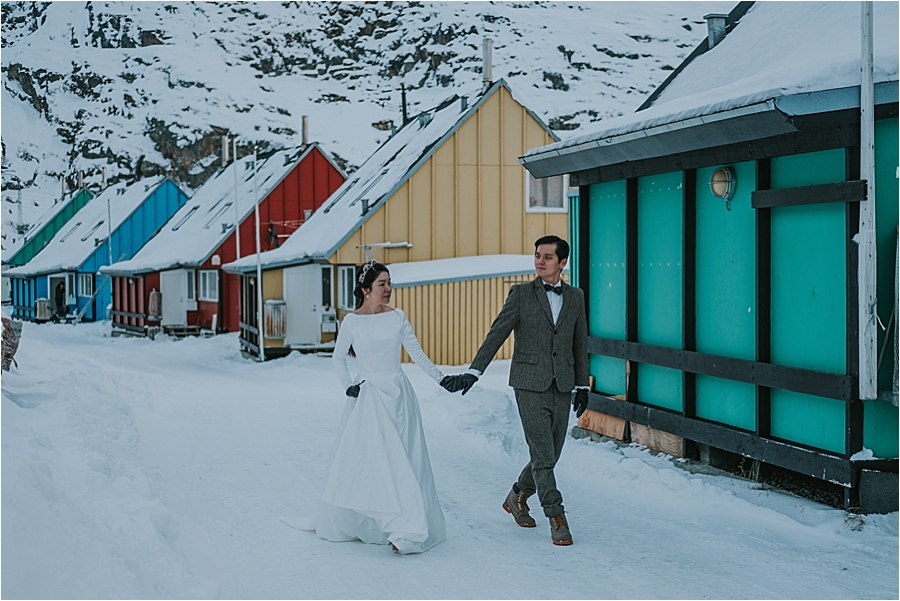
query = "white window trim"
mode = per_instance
[
  {"x": 342, "y": 287},
  {"x": 529, "y": 209},
  {"x": 85, "y": 285},
  {"x": 208, "y": 276}
]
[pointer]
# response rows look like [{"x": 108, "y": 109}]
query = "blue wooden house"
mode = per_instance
[
  {"x": 718, "y": 235},
  {"x": 112, "y": 227}
]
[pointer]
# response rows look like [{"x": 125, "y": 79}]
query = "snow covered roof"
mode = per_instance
[
  {"x": 75, "y": 242},
  {"x": 198, "y": 228},
  {"x": 442, "y": 271},
  {"x": 781, "y": 59},
  {"x": 373, "y": 183},
  {"x": 13, "y": 249}
]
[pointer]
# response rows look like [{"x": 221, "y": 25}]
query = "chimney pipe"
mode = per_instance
[
  {"x": 487, "y": 63},
  {"x": 63, "y": 186},
  {"x": 305, "y": 129},
  {"x": 403, "y": 103},
  {"x": 80, "y": 180},
  {"x": 224, "y": 150},
  {"x": 104, "y": 177},
  {"x": 715, "y": 27}
]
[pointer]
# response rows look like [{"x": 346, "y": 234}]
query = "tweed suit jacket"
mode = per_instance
[{"x": 543, "y": 350}]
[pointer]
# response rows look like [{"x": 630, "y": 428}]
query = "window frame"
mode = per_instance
[
  {"x": 343, "y": 293},
  {"x": 191, "y": 293},
  {"x": 565, "y": 196},
  {"x": 203, "y": 292},
  {"x": 85, "y": 285}
]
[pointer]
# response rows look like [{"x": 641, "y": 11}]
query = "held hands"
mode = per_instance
[
  {"x": 354, "y": 390},
  {"x": 459, "y": 382},
  {"x": 580, "y": 401}
]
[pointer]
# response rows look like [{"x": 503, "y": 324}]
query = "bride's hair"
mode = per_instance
[{"x": 365, "y": 275}]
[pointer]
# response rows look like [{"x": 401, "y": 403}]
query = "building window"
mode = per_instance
[
  {"x": 209, "y": 285},
  {"x": 346, "y": 284},
  {"x": 85, "y": 284},
  {"x": 191, "y": 285},
  {"x": 70, "y": 289},
  {"x": 547, "y": 194}
]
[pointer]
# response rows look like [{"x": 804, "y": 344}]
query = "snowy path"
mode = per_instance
[{"x": 154, "y": 469}]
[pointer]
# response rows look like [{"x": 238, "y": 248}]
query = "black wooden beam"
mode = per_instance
[
  {"x": 799, "y": 459},
  {"x": 689, "y": 285},
  {"x": 850, "y": 191},
  {"x": 584, "y": 242},
  {"x": 763, "y": 297},
  {"x": 631, "y": 282},
  {"x": 854, "y": 415},
  {"x": 786, "y": 144},
  {"x": 806, "y": 381}
]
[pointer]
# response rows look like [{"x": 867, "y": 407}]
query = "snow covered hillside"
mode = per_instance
[
  {"x": 149, "y": 87},
  {"x": 135, "y": 468}
]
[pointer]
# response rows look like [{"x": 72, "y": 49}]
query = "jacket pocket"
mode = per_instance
[{"x": 525, "y": 359}]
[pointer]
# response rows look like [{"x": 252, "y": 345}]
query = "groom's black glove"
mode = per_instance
[
  {"x": 580, "y": 401},
  {"x": 466, "y": 381},
  {"x": 354, "y": 390}
]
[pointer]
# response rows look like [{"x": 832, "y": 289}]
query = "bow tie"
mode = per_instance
[{"x": 556, "y": 289}]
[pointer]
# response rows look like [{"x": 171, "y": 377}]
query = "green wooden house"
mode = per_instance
[{"x": 718, "y": 237}]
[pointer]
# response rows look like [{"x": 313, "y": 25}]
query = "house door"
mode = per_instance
[
  {"x": 58, "y": 294},
  {"x": 173, "y": 286},
  {"x": 302, "y": 300}
]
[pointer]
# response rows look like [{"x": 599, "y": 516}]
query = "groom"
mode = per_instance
[{"x": 550, "y": 359}]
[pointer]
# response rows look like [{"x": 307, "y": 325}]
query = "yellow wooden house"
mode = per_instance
[{"x": 446, "y": 185}]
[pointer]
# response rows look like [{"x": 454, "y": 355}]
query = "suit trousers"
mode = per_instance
[{"x": 545, "y": 420}]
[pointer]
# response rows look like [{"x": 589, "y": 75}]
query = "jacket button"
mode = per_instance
[{"x": 554, "y": 354}]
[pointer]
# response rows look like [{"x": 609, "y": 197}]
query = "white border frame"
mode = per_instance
[{"x": 565, "y": 207}]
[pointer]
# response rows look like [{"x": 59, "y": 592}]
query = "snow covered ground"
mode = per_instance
[{"x": 134, "y": 468}]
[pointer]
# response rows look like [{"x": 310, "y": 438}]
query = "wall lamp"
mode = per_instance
[{"x": 722, "y": 184}]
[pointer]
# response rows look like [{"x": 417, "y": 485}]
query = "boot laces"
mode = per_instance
[
  {"x": 558, "y": 521},
  {"x": 521, "y": 501}
]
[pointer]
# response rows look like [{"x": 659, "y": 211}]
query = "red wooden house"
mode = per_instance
[{"x": 176, "y": 284}]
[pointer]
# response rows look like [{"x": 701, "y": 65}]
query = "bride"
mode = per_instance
[{"x": 380, "y": 488}]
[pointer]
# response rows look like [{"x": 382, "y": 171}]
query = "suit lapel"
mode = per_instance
[{"x": 541, "y": 296}]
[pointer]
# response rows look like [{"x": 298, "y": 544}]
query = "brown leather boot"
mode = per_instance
[
  {"x": 559, "y": 530},
  {"x": 515, "y": 504}
]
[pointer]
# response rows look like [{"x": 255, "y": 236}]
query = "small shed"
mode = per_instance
[
  {"x": 175, "y": 282},
  {"x": 718, "y": 241},
  {"x": 115, "y": 224},
  {"x": 447, "y": 184}
]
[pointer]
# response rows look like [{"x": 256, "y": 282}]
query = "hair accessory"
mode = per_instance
[{"x": 365, "y": 269}]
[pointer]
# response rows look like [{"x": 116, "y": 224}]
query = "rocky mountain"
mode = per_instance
[{"x": 149, "y": 87}]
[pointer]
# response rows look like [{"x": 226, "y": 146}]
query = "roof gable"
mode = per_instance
[
  {"x": 76, "y": 241},
  {"x": 376, "y": 180},
  {"x": 203, "y": 224}
]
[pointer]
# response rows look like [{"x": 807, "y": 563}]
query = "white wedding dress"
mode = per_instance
[{"x": 380, "y": 488}]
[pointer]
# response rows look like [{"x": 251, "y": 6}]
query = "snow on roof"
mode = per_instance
[
  {"x": 372, "y": 184},
  {"x": 777, "y": 49},
  {"x": 441, "y": 271},
  {"x": 39, "y": 223},
  {"x": 74, "y": 243},
  {"x": 198, "y": 228}
]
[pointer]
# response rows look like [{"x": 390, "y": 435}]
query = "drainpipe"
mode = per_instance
[
  {"x": 259, "y": 306},
  {"x": 867, "y": 279},
  {"x": 715, "y": 28}
]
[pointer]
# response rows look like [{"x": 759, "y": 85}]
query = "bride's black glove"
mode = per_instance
[
  {"x": 450, "y": 383},
  {"x": 354, "y": 390}
]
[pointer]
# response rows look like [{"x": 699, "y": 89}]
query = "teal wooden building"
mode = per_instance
[
  {"x": 717, "y": 235},
  {"x": 44, "y": 228}
]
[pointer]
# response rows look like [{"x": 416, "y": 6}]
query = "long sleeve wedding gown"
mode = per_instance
[{"x": 380, "y": 487}]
